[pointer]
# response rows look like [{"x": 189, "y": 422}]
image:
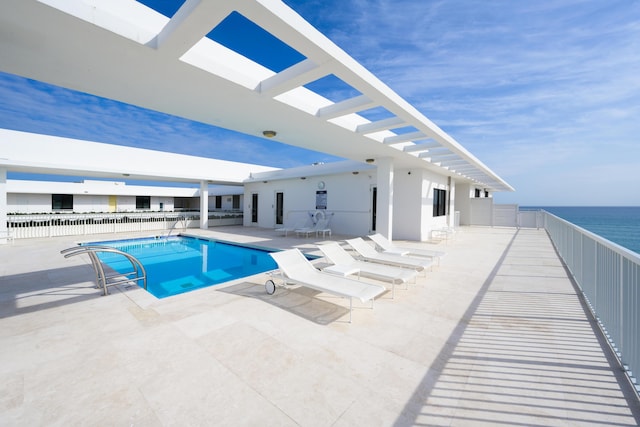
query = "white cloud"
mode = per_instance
[{"x": 545, "y": 93}]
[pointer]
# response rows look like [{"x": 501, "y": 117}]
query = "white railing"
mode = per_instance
[
  {"x": 29, "y": 226},
  {"x": 609, "y": 277}
]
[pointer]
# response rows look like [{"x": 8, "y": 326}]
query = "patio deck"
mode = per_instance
[{"x": 495, "y": 335}]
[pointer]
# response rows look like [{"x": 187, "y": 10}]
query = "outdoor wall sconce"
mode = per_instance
[{"x": 269, "y": 133}]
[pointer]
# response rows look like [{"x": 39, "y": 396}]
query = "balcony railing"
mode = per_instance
[
  {"x": 74, "y": 224},
  {"x": 609, "y": 277}
]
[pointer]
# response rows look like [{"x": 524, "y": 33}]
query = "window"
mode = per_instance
[
  {"x": 236, "y": 201},
  {"x": 143, "y": 202},
  {"x": 477, "y": 192},
  {"x": 279, "y": 208},
  {"x": 439, "y": 202},
  {"x": 62, "y": 201},
  {"x": 254, "y": 207},
  {"x": 218, "y": 202},
  {"x": 486, "y": 193}
]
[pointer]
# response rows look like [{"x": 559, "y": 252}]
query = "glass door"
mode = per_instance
[
  {"x": 254, "y": 207},
  {"x": 374, "y": 202},
  {"x": 279, "y": 208}
]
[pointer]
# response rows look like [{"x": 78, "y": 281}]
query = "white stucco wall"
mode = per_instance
[
  {"x": 481, "y": 211},
  {"x": 413, "y": 204},
  {"x": 26, "y": 196},
  {"x": 90, "y": 203},
  {"x": 407, "y": 203},
  {"x": 348, "y": 198},
  {"x": 473, "y": 210},
  {"x": 462, "y": 203},
  {"x": 226, "y": 202},
  {"x": 28, "y": 203},
  {"x": 41, "y": 203}
]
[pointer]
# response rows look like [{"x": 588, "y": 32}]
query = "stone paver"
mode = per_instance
[{"x": 495, "y": 335}]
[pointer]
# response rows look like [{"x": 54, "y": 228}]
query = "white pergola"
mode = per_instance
[
  {"x": 123, "y": 50},
  {"x": 46, "y": 154}
]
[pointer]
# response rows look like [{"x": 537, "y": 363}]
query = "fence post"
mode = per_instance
[{"x": 621, "y": 314}]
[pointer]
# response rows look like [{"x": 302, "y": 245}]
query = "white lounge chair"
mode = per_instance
[
  {"x": 368, "y": 253},
  {"x": 344, "y": 264},
  {"x": 444, "y": 233},
  {"x": 300, "y": 224},
  {"x": 389, "y": 248},
  {"x": 296, "y": 269},
  {"x": 322, "y": 226}
]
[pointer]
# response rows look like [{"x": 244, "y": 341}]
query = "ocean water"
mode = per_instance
[{"x": 621, "y": 225}]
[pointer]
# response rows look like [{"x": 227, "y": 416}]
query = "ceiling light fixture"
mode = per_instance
[{"x": 269, "y": 133}]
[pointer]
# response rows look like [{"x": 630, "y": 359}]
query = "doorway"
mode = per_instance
[
  {"x": 279, "y": 208},
  {"x": 113, "y": 203},
  {"x": 254, "y": 208},
  {"x": 374, "y": 209}
]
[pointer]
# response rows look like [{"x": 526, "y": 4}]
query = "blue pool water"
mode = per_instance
[{"x": 181, "y": 264}]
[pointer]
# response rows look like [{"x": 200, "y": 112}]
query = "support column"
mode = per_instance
[
  {"x": 204, "y": 205},
  {"x": 451, "y": 197},
  {"x": 4, "y": 232},
  {"x": 384, "y": 208}
]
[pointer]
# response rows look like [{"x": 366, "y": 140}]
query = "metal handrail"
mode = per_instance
[
  {"x": 608, "y": 277},
  {"x": 103, "y": 280},
  {"x": 180, "y": 218}
]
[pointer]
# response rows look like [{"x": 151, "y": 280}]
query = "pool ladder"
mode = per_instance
[
  {"x": 103, "y": 280},
  {"x": 182, "y": 219}
]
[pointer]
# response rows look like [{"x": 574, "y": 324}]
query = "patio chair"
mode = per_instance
[
  {"x": 368, "y": 253},
  {"x": 322, "y": 226},
  {"x": 303, "y": 223},
  {"x": 389, "y": 248},
  {"x": 294, "y": 268},
  {"x": 344, "y": 264},
  {"x": 443, "y": 233}
]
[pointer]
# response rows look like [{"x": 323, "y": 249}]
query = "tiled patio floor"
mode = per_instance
[{"x": 495, "y": 335}]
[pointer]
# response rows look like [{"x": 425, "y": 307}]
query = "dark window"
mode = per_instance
[
  {"x": 143, "y": 202},
  {"x": 236, "y": 201},
  {"x": 374, "y": 207},
  {"x": 279, "y": 208},
  {"x": 218, "y": 202},
  {"x": 477, "y": 192},
  {"x": 439, "y": 202},
  {"x": 486, "y": 193},
  {"x": 62, "y": 201},
  {"x": 254, "y": 207}
]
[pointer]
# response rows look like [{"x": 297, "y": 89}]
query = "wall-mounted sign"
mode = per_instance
[{"x": 321, "y": 199}]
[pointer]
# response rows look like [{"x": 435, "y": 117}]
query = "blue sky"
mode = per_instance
[{"x": 547, "y": 93}]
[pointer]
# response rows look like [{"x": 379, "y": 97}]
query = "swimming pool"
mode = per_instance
[{"x": 180, "y": 264}]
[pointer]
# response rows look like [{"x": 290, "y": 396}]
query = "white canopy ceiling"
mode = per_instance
[
  {"x": 35, "y": 153},
  {"x": 123, "y": 50}
]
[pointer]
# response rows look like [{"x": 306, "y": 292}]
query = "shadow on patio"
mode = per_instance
[{"x": 527, "y": 352}]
